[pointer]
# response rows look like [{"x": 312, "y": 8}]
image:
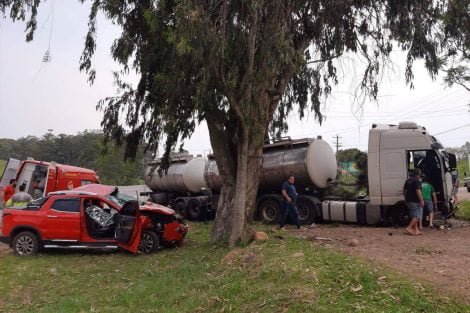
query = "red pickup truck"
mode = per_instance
[{"x": 84, "y": 219}]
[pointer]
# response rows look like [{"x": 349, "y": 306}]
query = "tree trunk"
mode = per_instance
[
  {"x": 240, "y": 171},
  {"x": 239, "y": 205},
  {"x": 223, "y": 216},
  {"x": 255, "y": 160}
]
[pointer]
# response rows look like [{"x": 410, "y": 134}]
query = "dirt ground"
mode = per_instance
[{"x": 438, "y": 257}]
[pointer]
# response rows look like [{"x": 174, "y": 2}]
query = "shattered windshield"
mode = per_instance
[{"x": 120, "y": 198}]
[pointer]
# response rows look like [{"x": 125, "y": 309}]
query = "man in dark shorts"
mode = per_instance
[
  {"x": 289, "y": 195},
  {"x": 414, "y": 201}
]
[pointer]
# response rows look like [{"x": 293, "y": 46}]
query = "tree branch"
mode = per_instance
[{"x": 324, "y": 60}]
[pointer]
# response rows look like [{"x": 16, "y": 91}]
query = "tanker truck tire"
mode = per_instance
[
  {"x": 181, "y": 209},
  {"x": 306, "y": 210},
  {"x": 195, "y": 211},
  {"x": 396, "y": 215},
  {"x": 269, "y": 211}
]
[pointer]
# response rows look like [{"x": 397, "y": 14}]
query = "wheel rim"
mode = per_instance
[
  {"x": 24, "y": 245},
  {"x": 194, "y": 209},
  {"x": 181, "y": 209},
  {"x": 303, "y": 212},
  {"x": 269, "y": 213},
  {"x": 147, "y": 243}
]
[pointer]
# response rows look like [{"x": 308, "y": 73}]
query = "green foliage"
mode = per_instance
[
  {"x": 462, "y": 153},
  {"x": 262, "y": 277},
  {"x": 2, "y": 165},
  {"x": 456, "y": 22},
  {"x": 463, "y": 168},
  {"x": 350, "y": 185},
  {"x": 464, "y": 210},
  {"x": 246, "y": 64},
  {"x": 84, "y": 149}
]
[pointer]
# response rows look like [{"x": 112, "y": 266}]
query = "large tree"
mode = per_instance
[{"x": 242, "y": 66}]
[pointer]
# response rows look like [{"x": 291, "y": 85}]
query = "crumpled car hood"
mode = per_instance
[{"x": 150, "y": 206}]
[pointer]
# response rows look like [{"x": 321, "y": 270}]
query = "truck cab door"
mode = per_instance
[
  {"x": 128, "y": 226},
  {"x": 393, "y": 174},
  {"x": 10, "y": 171}
]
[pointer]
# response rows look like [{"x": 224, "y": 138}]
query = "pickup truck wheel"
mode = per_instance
[
  {"x": 149, "y": 242},
  {"x": 25, "y": 243},
  {"x": 468, "y": 188},
  {"x": 269, "y": 211}
]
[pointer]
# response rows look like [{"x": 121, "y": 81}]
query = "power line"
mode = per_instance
[{"x": 447, "y": 131}]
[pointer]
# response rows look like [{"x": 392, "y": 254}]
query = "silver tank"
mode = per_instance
[
  {"x": 311, "y": 161},
  {"x": 185, "y": 174}
]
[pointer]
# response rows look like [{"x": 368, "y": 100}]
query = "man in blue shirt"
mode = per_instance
[{"x": 289, "y": 195}]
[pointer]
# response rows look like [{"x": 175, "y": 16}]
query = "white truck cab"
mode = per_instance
[{"x": 393, "y": 152}]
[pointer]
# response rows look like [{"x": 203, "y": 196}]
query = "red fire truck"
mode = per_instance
[{"x": 40, "y": 178}]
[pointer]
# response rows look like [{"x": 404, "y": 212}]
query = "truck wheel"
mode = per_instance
[
  {"x": 306, "y": 210},
  {"x": 149, "y": 242},
  {"x": 468, "y": 188},
  {"x": 25, "y": 243},
  {"x": 269, "y": 211},
  {"x": 400, "y": 215},
  {"x": 180, "y": 208},
  {"x": 195, "y": 211}
]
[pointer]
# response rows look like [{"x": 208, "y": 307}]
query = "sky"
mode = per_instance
[{"x": 37, "y": 97}]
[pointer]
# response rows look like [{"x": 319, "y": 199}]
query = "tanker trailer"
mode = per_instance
[
  {"x": 183, "y": 187},
  {"x": 192, "y": 185}
]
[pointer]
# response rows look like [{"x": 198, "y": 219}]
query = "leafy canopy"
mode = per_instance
[{"x": 250, "y": 63}]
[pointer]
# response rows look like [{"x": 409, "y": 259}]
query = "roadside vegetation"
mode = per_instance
[
  {"x": 464, "y": 210},
  {"x": 2, "y": 165},
  {"x": 84, "y": 150},
  {"x": 284, "y": 274}
]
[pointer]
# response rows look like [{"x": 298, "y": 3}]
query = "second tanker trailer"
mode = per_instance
[{"x": 192, "y": 184}]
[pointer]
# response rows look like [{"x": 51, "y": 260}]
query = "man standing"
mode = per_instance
[
  {"x": 289, "y": 195},
  {"x": 414, "y": 201},
  {"x": 20, "y": 199},
  {"x": 430, "y": 201},
  {"x": 9, "y": 190}
]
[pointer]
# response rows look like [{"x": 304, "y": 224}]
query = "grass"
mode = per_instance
[
  {"x": 464, "y": 210},
  {"x": 2, "y": 166},
  {"x": 286, "y": 274}
]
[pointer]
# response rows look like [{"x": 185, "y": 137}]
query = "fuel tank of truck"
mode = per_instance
[{"x": 311, "y": 161}]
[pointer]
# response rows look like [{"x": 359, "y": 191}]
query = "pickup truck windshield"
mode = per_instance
[{"x": 120, "y": 198}]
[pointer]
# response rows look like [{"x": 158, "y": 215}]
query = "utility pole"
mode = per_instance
[{"x": 337, "y": 143}]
